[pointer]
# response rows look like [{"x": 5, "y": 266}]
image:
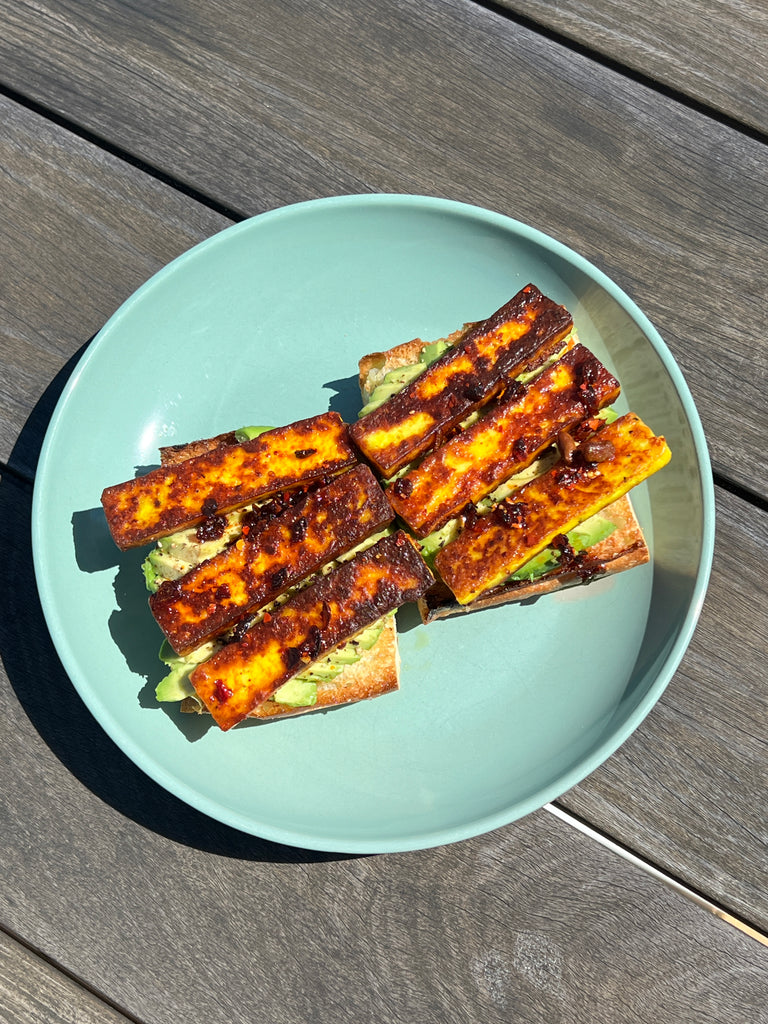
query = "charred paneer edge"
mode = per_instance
[
  {"x": 173, "y": 497},
  {"x": 526, "y": 421},
  {"x": 488, "y": 550},
  {"x": 518, "y": 337},
  {"x": 270, "y": 557},
  {"x": 310, "y": 625}
]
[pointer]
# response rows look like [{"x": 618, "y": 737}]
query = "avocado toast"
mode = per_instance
[
  {"x": 228, "y": 573},
  {"x": 464, "y": 496}
]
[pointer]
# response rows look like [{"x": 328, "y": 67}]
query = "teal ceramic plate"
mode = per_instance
[{"x": 499, "y": 712}]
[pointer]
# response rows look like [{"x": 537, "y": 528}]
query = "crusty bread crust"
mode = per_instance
[
  {"x": 376, "y": 673},
  {"x": 624, "y": 549},
  {"x": 173, "y": 454}
]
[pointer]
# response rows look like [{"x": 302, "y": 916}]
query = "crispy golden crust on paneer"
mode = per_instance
[
  {"x": 520, "y": 335},
  {"x": 243, "y": 675},
  {"x": 625, "y": 548},
  {"x": 487, "y": 551},
  {"x": 376, "y": 672},
  {"x": 509, "y": 438},
  {"x": 270, "y": 558},
  {"x": 170, "y": 498}
]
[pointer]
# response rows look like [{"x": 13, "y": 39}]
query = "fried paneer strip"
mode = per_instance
[
  {"x": 173, "y": 497},
  {"x": 525, "y": 422},
  {"x": 496, "y": 545},
  {"x": 310, "y": 625},
  {"x": 265, "y": 562},
  {"x": 518, "y": 337}
]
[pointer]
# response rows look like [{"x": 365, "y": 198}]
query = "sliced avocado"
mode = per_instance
[
  {"x": 154, "y": 570},
  {"x": 248, "y": 433},
  {"x": 322, "y": 672},
  {"x": 367, "y": 637},
  {"x": 538, "y": 565},
  {"x": 590, "y": 532},
  {"x": 581, "y": 537},
  {"x": 436, "y": 540},
  {"x": 390, "y": 384},
  {"x": 608, "y": 414},
  {"x": 176, "y": 685},
  {"x": 346, "y": 655},
  {"x": 433, "y": 351},
  {"x": 298, "y": 692}
]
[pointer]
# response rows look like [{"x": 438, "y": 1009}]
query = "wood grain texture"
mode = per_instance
[
  {"x": 82, "y": 230},
  {"x": 33, "y": 991},
  {"x": 172, "y": 916},
  {"x": 713, "y": 52},
  {"x": 689, "y": 789},
  {"x": 263, "y": 105}
]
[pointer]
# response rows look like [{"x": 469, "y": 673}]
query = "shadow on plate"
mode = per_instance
[
  {"x": 47, "y": 695},
  {"x": 346, "y": 399}
]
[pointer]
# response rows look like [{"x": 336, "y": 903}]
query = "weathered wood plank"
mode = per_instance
[
  {"x": 150, "y": 903},
  {"x": 69, "y": 214},
  {"x": 259, "y": 106},
  {"x": 34, "y": 992},
  {"x": 712, "y": 52},
  {"x": 172, "y": 916},
  {"x": 81, "y": 231},
  {"x": 688, "y": 789}
]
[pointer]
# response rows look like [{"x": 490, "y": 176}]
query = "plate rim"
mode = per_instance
[{"x": 408, "y": 840}]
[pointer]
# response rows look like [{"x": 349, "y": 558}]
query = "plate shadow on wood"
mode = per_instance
[{"x": 52, "y": 704}]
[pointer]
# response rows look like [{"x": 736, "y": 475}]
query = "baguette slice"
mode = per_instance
[
  {"x": 377, "y": 672},
  {"x": 244, "y": 674},
  {"x": 624, "y": 549},
  {"x": 374, "y": 674}
]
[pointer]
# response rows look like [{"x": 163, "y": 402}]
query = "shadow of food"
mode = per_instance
[
  {"x": 55, "y": 709},
  {"x": 346, "y": 401}
]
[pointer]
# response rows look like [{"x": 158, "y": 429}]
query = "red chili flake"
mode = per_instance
[
  {"x": 402, "y": 488},
  {"x": 246, "y": 530},
  {"x": 267, "y": 617},
  {"x": 223, "y": 692},
  {"x": 278, "y": 579},
  {"x": 299, "y": 530},
  {"x": 511, "y": 513}
]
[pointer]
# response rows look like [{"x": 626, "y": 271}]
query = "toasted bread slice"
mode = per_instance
[
  {"x": 624, "y": 548},
  {"x": 376, "y": 673}
]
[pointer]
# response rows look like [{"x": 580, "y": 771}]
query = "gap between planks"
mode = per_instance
[
  {"x": 627, "y": 71},
  {"x": 655, "y": 872}
]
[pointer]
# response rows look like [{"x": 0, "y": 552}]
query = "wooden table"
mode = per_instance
[{"x": 132, "y": 130}]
